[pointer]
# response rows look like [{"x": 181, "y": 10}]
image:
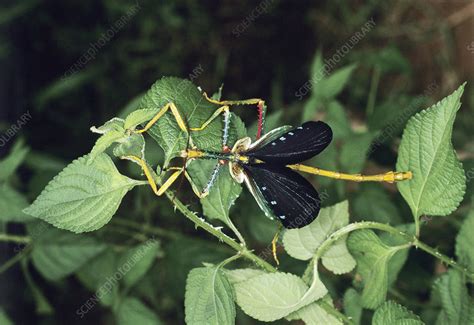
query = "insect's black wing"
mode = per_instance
[
  {"x": 296, "y": 145},
  {"x": 287, "y": 194}
]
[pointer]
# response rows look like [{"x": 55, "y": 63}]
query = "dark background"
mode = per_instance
[{"x": 427, "y": 41}]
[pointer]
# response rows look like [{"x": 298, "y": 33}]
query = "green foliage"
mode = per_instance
[
  {"x": 193, "y": 108},
  {"x": 373, "y": 263},
  {"x": 132, "y": 311},
  {"x": 302, "y": 243},
  {"x": 140, "y": 259},
  {"x": 393, "y": 313},
  {"x": 11, "y": 205},
  {"x": 373, "y": 203},
  {"x": 124, "y": 276},
  {"x": 439, "y": 182},
  {"x": 209, "y": 297},
  {"x": 324, "y": 87},
  {"x": 465, "y": 242},
  {"x": 269, "y": 297},
  {"x": 315, "y": 314},
  {"x": 9, "y": 164},
  {"x": 83, "y": 197},
  {"x": 353, "y": 305},
  {"x": 457, "y": 305},
  {"x": 57, "y": 254}
]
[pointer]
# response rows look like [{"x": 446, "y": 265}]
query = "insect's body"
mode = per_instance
[{"x": 267, "y": 166}]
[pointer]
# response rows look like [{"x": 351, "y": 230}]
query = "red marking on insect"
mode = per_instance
[
  {"x": 225, "y": 149},
  {"x": 260, "y": 119}
]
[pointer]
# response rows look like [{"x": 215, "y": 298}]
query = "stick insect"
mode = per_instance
[{"x": 268, "y": 167}]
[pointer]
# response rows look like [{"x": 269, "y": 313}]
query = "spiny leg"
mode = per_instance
[
  {"x": 389, "y": 177},
  {"x": 252, "y": 101}
]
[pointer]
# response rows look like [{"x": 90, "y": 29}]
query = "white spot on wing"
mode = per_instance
[
  {"x": 273, "y": 202},
  {"x": 264, "y": 188},
  {"x": 273, "y": 144},
  {"x": 282, "y": 139},
  {"x": 290, "y": 133},
  {"x": 282, "y": 217},
  {"x": 300, "y": 128}
]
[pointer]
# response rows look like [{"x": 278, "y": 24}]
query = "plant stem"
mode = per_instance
[
  {"x": 15, "y": 239},
  {"x": 15, "y": 259},
  {"x": 449, "y": 261},
  {"x": 417, "y": 227},
  {"x": 411, "y": 241},
  {"x": 199, "y": 222},
  {"x": 334, "y": 312}
]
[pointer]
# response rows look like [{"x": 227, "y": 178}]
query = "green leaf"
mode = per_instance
[
  {"x": 426, "y": 150},
  {"x": 209, "y": 297},
  {"x": 133, "y": 312},
  {"x": 457, "y": 305},
  {"x": 133, "y": 145},
  {"x": 57, "y": 254},
  {"x": 331, "y": 86},
  {"x": 302, "y": 243},
  {"x": 43, "y": 306},
  {"x": 11, "y": 205},
  {"x": 465, "y": 242},
  {"x": 105, "y": 141},
  {"x": 194, "y": 109},
  {"x": 240, "y": 275},
  {"x": 400, "y": 257},
  {"x": 337, "y": 118},
  {"x": 139, "y": 260},
  {"x": 100, "y": 275},
  {"x": 9, "y": 164},
  {"x": 83, "y": 197},
  {"x": 373, "y": 258},
  {"x": 352, "y": 305},
  {"x": 138, "y": 117},
  {"x": 222, "y": 195},
  {"x": 272, "y": 296},
  {"x": 4, "y": 320},
  {"x": 392, "y": 313},
  {"x": 372, "y": 203},
  {"x": 315, "y": 314},
  {"x": 354, "y": 152}
]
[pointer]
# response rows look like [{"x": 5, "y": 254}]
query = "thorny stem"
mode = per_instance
[
  {"x": 411, "y": 241},
  {"x": 199, "y": 222}
]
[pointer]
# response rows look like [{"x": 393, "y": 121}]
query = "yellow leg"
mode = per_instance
[
  {"x": 250, "y": 101},
  {"x": 161, "y": 112},
  {"x": 196, "y": 191},
  {"x": 179, "y": 170},
  {"x": 150, "y": 179},
  {"x": 219, "y": 111},
  {"x": 389, "y": 177},
  {"x": 274, "y": 246}
]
